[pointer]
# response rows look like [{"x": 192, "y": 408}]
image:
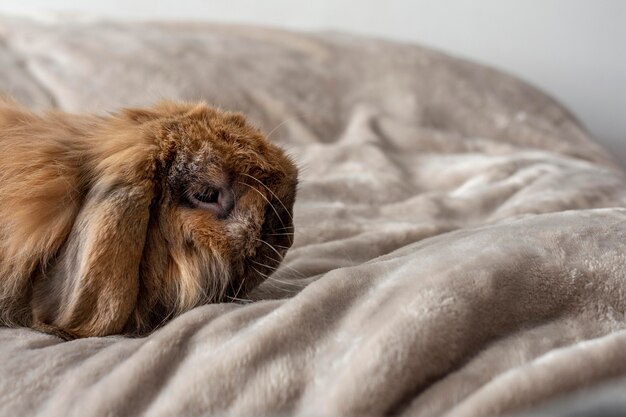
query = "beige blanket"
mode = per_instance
[{"x": 460, "y": 246}]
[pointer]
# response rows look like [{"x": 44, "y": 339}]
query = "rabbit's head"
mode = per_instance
[{"x": 185, "y": 205}]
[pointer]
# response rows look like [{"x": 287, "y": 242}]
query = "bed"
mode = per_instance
[{"x": 460, "y": 239}]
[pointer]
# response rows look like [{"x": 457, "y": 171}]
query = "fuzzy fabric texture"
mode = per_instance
[{"x": 460, "y": 240}]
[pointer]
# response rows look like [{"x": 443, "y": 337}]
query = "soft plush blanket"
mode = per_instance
[{"x": 460, "y": 246}]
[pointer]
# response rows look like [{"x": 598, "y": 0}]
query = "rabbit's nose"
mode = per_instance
[{"x": 225, "y": 201}]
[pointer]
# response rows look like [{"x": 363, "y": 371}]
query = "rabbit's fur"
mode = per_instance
[{"x": 112, "y": 224}]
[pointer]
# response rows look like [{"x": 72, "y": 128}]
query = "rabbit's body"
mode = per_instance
[{"x": 114, "y": 224}]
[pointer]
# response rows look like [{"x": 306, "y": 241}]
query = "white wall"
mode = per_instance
[{"x": 574, "y": 49}]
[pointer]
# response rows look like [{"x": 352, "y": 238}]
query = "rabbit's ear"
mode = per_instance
[{"x": 91, "y": 288}]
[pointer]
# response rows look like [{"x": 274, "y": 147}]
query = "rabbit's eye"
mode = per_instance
[
  {"x": 218, "y": 200},
  {"x": 207, "y": 196}
]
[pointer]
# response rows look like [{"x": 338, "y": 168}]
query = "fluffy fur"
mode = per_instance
[{"x": 99, "y": 232}]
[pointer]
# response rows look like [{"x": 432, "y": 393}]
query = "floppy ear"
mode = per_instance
[{"x": 91, "y": 289}]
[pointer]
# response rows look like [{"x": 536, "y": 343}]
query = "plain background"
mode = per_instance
[{"x": 573, "y": 49}]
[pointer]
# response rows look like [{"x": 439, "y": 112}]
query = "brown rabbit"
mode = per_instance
[{"x": 115, "y": 224}]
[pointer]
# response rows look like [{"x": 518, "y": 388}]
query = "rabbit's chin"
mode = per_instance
[
  {"x": 226, "y": 268},
  {"x": 198, "y": 279}
]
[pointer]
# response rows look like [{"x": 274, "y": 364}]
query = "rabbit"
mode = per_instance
[{"x": 115, "y": 224}]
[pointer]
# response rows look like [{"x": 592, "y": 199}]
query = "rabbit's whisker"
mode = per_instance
[
  {"x": 273, "y": 285},
  {"x": 240, "y": 287},
  {"x": 294, "y": 270},
  {"x": 284, "y": 282},
  {"x": 287, "y": 266},
  {"x": 272, "y": 248},
  {"x": 272, "y": 192},
  {"x": 164, "y": 320},
  {"x": 244, "y": 300},
  {"x": 264, "y": 198},
  {"x": 271, "y": 280},
  {"x": 287, "y": 120},
  {"x": 260, "y": 273},
  {"x": 262, "y": 264},
  {"x": 284, "y": 122},
  {"x": 235, "y": 292},
  {"x": 282, "y": 247}
]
